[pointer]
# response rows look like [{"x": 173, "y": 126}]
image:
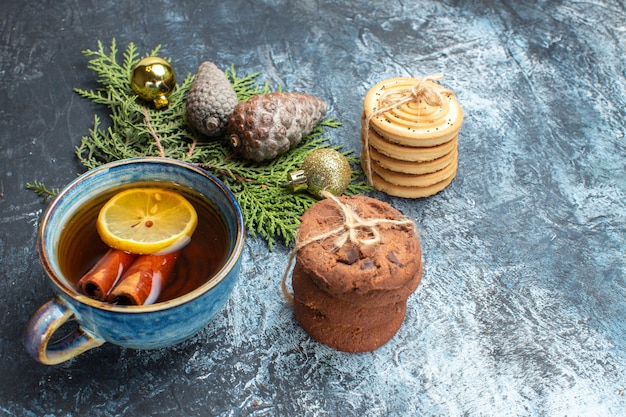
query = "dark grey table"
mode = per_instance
[{"x": 522, "y": 307}]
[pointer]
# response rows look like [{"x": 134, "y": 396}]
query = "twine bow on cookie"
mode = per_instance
[
  {"x": 351, "y": 230},
  {"x": 426, "y": 91}
]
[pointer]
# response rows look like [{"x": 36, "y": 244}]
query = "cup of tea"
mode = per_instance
[{"x": 68, "y": 242}]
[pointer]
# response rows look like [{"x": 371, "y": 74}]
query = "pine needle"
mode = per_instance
[{"x": 42, "y": 191}]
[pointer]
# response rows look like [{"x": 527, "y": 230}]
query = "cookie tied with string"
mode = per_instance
[
  {"x": 409, "y": 133},
  {"x": 357, "y": 260}
]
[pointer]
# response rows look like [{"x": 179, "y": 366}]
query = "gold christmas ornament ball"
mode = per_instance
[
  {"x": 153, "y": 80},
  {"x": 322, "y": 170}
]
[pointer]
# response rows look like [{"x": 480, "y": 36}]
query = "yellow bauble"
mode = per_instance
[
  {"x": 153, "y": 80},
  {"x": 323, "y": 169}
]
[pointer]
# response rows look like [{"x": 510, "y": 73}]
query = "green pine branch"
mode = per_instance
[
  {"x": 135, "y": 130},
  {"x": 42, "y": 191}
]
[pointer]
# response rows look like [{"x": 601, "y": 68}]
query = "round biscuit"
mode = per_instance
[
  {"x": 408, "y": 180},
  {"x": 412, "y": 168},
  {"x": 338, "y": 311},
  {"x": 347, "y": 338},
  {"x": 413, "y": 123},
  {"x": 408, "y": 153},
  {"x": 409, "y": 192}
]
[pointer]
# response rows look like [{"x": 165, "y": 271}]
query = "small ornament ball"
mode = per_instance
[
  {"x": 322, "y": 170},
  {"x": 153, "y": 80}
]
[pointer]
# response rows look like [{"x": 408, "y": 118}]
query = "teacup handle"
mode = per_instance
[{"x": 44, "y": 323}]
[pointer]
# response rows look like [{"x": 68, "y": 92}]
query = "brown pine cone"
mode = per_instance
[
  {"x": 268, "y": 125},
  {"x": 210, "y": 101}
]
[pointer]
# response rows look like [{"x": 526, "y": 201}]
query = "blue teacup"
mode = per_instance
[{"x": 139, "y": 327}]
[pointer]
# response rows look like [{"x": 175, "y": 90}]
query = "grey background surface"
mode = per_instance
[{"x": 521, "y": 311}]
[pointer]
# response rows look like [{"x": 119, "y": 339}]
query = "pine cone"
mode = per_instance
[
  {"x": 210, "y": 101},
  {"x": 268, "y": 125}
]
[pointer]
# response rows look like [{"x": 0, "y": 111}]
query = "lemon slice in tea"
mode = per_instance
[{"x": 147, "y": 221}]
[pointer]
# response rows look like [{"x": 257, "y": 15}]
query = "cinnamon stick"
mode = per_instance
[
  {"x": 143, "y": 281},
  {"x": 98, "y": 281}
]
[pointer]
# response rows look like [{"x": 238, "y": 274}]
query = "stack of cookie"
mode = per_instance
[
  {"x": 410, "y": 130},
  {"x": 354, "y": 298}
]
